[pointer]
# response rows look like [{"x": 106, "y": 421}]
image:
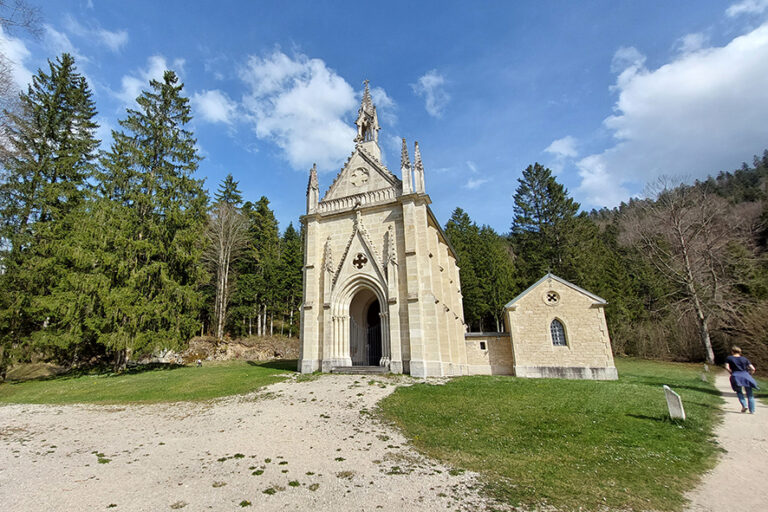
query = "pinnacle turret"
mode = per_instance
[
  {"x": 313, "y": 183},
  {"x": 368, "y": 122},
  {"x": 404, "y": 160},
  {"x": 367, "y": 103},
  {"x": 405, "y": 169},
  {"x": 418, "y": 170},
  {"x": 313, "y": 190}
]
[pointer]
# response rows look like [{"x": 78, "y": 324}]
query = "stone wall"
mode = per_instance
[
  {"x": 587, "y": 353},
  {"x": 489, "y": 353}
]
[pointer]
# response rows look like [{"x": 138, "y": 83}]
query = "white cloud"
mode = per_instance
[
  {"x": 214, "y": 106},
  {"x": 16, "y": 52},
  {"x": 114, "y": 40},
  {"x": 474, "y": 183},
  {"x": 563, "y": 148},
  {"x": 58, "y": 43},
  {"x": 431, "y": 87},
  {"x": 132, "y": 85},
  {"x": 626, "y": 57},
  {"x": 301, "y": 105},
  {"x": 691, "y": 42},
  {"x": 700, "y": 113},
  {"x": 747, "y": 7},
  {"x": 385, "y": 106}
]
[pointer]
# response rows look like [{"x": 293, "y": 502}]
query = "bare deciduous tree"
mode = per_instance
[
  {"x": 227, "y": 235},
  {"x": 18, "y": 14},
  {"x": 685, "y": 233},
  {"x": 15, "y": 15}
]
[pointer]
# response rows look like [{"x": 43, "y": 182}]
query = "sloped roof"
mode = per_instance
[{"x": 598, "y": 300}]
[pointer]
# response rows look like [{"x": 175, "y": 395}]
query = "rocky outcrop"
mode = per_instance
[{"x": 252, "y": 349}]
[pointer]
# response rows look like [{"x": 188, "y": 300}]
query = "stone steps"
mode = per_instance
[{"x": 360, "y": 370}]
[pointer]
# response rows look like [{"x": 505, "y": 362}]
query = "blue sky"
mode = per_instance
[{"x": 609, "y": 94}]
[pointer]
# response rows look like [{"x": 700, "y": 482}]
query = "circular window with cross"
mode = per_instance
[
  {"x": 360, "y": 260},
  {"x": 551, "y": 298}
]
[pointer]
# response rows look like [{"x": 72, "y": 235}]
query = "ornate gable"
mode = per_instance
[
  {"x": 361, "y": 173},
  {"x": 360, "y": 256}
]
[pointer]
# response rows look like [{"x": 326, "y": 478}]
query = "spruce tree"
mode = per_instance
[
  {"x": 257, "y": 289},
  {"x": 228, "y": 192},
  {"x": 147, "y": 181},
  {"x": 51, "y": 154},
  {"x": 543, "y": 218},
  {"x": 290, "y": 274}
]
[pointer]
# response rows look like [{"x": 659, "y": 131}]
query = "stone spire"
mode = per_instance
[
  {"x": 368, "y": 125},
  {"x": 418, "y": 171},
  {"x": 367, "y": 103},
  {"x": 313, "y": 190},
  {"x": 405, "y": 168}
]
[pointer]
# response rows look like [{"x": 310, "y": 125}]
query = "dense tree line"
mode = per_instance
[
  {"x": 685, "y": 271},
  {"x": 118, "y": 253}
]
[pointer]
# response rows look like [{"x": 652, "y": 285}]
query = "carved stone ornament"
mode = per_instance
[
  {"x": 359, "y": 177},
  {"x": 328, "y": 256},
  {"x": 360, "y": 260},
  {"x": 551, "y": 298}
]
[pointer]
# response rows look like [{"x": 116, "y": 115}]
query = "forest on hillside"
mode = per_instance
[{"x": 111, "y": 254}]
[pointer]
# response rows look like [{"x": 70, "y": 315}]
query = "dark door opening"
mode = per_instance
[{"x": 373, "y": 333}]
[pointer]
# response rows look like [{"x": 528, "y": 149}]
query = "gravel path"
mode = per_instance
[
  {"x": 738, "y": 482},
  {"x": 309, "y": 445}
]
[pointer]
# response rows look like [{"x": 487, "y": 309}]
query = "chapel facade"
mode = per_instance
[{"x": 381, "y": 283}]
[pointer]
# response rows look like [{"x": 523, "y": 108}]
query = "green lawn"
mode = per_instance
[
  {"x": 150, "y": 385},
  {"x": 569, "y": 444}
]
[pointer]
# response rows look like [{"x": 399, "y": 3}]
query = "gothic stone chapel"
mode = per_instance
[{"x": 381, "y": 283}]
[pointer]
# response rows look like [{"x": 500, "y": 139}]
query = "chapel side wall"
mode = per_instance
[
  {"x": 588, "y": 352},
  {"x": 441, "y": 334},
  {"x": 311, "y": 324},
  {"x": 495, "y": 359}
]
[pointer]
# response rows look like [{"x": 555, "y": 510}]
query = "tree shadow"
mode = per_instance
[
  {"x": 101, "y": 371},
  {"x": 290, "y": 365},
  {"x": 652, "y": 418},
  {"x": 661, "y": 382}
]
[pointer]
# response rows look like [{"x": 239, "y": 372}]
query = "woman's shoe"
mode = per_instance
[{"x": 743, "y": 409}]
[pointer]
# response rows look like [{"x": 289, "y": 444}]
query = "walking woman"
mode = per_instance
[{"x": 741, "y": 371}]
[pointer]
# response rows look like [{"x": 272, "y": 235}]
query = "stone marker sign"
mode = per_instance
[{"x": 674, "y": 404}]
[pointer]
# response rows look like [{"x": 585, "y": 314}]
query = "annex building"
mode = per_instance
[{"x": 382, "y": 287}]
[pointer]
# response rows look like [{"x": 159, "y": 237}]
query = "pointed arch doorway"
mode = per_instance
[{"x": 365, "y": 329}]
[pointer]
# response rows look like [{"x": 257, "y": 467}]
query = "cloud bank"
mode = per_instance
[
  {"x": 700, "y": 113},
  {"x": 305, "y": 108}
]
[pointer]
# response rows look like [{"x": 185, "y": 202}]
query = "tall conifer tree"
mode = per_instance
[
  {"x": 543, "y": 217},
  {"x": 51, "y": 154},
  {"x": 155, "y": 299}
]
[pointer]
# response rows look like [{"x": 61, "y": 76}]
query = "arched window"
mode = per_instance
[{"x": 558, "y": 333}]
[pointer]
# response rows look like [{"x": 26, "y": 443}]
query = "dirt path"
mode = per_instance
[
  {"x": 293, "y": 446},
  {"x": 739, "y": 481}
]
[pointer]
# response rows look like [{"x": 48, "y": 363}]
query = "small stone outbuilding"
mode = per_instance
[{"x": 559, "y": 330}]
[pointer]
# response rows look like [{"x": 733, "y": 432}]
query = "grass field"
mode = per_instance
[
  {"x": 569, "y": 444},
  {"x": 168, "y": 384}
]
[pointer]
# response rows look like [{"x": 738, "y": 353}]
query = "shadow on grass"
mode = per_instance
[
  {"x": 101, "y": 370},
  {"x": 289, "y": 365},
  {"x": 660, "y": 382},
  {"x": 659, "y": 419}
]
